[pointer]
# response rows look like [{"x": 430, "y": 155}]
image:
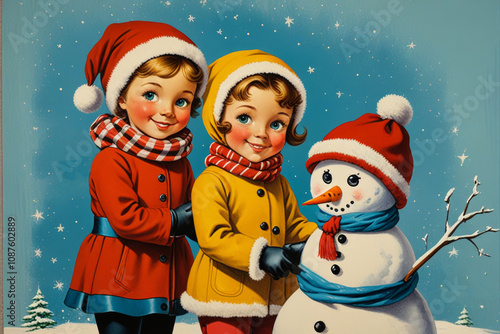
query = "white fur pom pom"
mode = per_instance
[
  {"x": 88, "y": 98},
  {"x": 395, "y": 107}
]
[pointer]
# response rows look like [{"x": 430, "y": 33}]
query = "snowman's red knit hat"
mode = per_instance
[
  {"x": 378, "y": 143},
  {"x": 122, "y": 49}
]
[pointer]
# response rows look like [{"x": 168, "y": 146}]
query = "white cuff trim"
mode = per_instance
[
  {"x": 224, "y": 310},
  {"x": 274, "y": 309},
  {"x": 254, "y": 269}
]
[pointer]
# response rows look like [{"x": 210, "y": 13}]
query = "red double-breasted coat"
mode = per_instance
[{"x": 143, "y": 270}]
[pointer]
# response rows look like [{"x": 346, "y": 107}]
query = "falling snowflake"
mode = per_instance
[
  {"x": 58, "y": 285},
  {"x": 337, "y": 25},
  {"x": 453, "y": 252},
  {"x": 411, "y": 45},
  {"x": 339, "y": 94},
  {"x": 288, "y": 21},
  {"x": 219, "y": 31},
  {"x": 38, "y": 252},
  {"x": 38, "y": 215},
  {"x": 60, "y": 228},
  {"x": 462, "y": 158},
  {"x": 191, "y": 18},
  {"x": 310, "y": 69},
  {"x": 53, "y": 260}
]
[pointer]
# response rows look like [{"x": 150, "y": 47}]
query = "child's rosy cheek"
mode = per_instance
[
  {"x": 143, "y": 108},
  {"x": 358, "y": 195},
  {"x": 238, "y": 134},
  {"x": 278, "y": 140},
  {"x": 183, "y": 117}
]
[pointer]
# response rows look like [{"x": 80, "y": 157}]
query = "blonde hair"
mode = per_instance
[
  {"x": 286, "y": 96},
  {"x": 165, "y": 67}
]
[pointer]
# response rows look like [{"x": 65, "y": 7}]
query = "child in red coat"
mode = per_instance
[{"x": 133, "y": 267}]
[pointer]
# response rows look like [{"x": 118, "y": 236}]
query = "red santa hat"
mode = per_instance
[
  {"x": 122, "y": 49},
  {"x": 378, "y": 143}
]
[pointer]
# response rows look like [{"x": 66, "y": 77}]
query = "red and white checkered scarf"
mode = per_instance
[
  {"x": 227, "y": 159},
  {"x": 108, "y": 130}
]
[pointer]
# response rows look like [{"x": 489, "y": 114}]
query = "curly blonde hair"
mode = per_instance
[
  {"x": 165, "y": 67},
  {"x": 286, "y": 96}
]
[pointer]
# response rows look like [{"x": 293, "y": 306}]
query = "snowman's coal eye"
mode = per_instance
[
  {"x": 353, "y": 180},
  {"x": 327, "y": 177}
]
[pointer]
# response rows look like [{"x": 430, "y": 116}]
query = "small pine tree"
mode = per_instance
[
  {"x": 464, "y": 319},
  {"x": 39, "y": 316}
]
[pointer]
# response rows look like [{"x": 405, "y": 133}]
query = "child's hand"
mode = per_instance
[
  {"x": 293, "y": 252},
  {"x": 182, "y": 221},
  {"x": 274, "y": 262}
]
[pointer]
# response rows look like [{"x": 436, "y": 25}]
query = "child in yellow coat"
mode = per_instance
[{"x": 244, "y": 210}]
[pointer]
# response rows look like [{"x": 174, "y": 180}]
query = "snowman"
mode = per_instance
[{"x": 353, "y": 267}]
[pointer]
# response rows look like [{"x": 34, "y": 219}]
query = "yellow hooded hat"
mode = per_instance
[{"x": 226, "y": 72}]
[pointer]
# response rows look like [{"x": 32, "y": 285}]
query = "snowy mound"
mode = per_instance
[{"x": 443, "y": 327}]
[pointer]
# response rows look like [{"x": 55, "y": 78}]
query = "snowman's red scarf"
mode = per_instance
[
  {"x": 352, "y": 222},
  {"x": 108, "y": 130},
  {"x": 227, "y": 159}
]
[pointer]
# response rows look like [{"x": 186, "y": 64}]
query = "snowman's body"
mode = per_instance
[
  {"x": 301, "y": 314},
  {"x": 370, "y": 258},
  {"x": 364, "y": 259}
]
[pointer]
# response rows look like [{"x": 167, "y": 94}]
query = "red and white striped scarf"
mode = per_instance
[
  {"x": 108, "y": 130},
  {"x": 227, "y": 159}
]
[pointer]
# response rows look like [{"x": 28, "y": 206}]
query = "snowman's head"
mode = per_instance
[{"x": 340, "y": 187}]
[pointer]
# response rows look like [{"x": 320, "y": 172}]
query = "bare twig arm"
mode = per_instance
[{"x": 448, "y": 237}]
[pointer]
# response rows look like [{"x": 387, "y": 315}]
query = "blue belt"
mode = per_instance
[{"x": 103, "y": 227}]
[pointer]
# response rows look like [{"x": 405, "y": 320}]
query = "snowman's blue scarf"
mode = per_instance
[
  {"x": 321, "y": 290},
  {"x": 363, "y": 221}
]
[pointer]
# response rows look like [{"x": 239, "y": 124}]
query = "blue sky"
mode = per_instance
[{"x": 442, "y": 56}]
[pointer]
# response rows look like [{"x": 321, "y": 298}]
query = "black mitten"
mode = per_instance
[
  {"x": 293, "y": 252},
  {"x": 182, "y": 221},
  {"x": 273, "y": 261}
]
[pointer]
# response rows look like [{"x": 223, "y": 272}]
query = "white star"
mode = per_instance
[
  {"x": 310, "y": 69},
  {"x": 219, "y": 31},
  {"x": 288, "y": 21},
  {"x": 54, "y": 260},
  {"x": 236, "y": 17},
  {"x": 203, "y": 2},
  {"x": 60, "y": 228},
  {"x": 38, "y": 252},
  {"x": 453, "y": 252},
  {"x": 455, "y": 130},
  {"x": 191, "y": 18},
  {"x": 339, "y": 94},
  {"x": 412, "y": 45},
  {"x": 337, "y": 25},
  {"x": 462, "y": 157},
  {"x": 38, "y": 215},
  {"x": 59, "y": 285},
  {"x": 59, "y": 46}
]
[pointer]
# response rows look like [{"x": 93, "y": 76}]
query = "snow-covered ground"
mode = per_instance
[{"x": 443, "y": 327}]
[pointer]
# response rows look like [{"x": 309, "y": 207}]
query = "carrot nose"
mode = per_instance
[{"x": 331, "y": 195}]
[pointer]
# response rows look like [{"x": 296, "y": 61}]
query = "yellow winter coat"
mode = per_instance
[{"x": 235, "y": 218}]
